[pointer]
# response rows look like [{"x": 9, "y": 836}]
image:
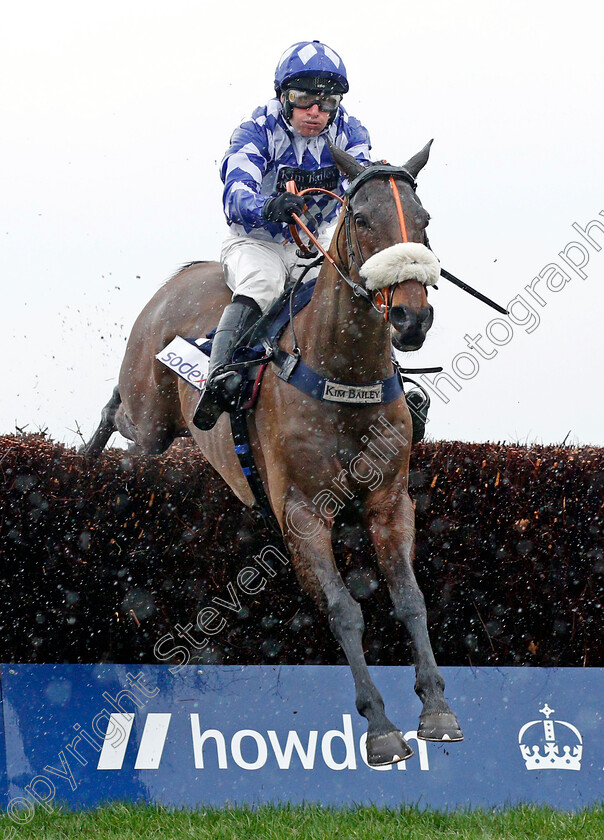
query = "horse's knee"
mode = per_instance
[
  {"x": 96, "y": 444},
  {"x": 108, "y": 412},
  {"x": 124, "y": 425},
  {"x": 159, "y": 437},
  {"x": 345, "y": 617},
  {"x": 150, "y": 438},
  {"x": 409, "y": 604},
  {"x": 157, "y": 446}
]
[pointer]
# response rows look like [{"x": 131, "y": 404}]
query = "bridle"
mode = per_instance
[
  {"x": 391, "y": 172},
  {"x": 374, "y": 171}
]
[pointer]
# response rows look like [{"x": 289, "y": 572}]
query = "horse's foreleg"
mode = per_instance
[
  {"x": 105, "y": 429},
  {"x": 392, "y": 530},
  {"x": 315, "y": 567}
]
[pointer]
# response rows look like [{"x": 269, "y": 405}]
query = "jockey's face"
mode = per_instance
[{"x": 309, "y": 121}]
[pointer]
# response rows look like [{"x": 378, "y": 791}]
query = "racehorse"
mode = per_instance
[{"x": 368, "y": 296}]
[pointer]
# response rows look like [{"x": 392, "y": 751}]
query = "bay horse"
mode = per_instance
[{"x": 305, "y": 449}]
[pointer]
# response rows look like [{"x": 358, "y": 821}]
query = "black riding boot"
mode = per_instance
[
  {"x": 221, "y": 388},
  {"x": 418, "y": 403}
]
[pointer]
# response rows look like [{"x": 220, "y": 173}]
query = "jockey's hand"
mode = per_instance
[{"x": 280, "y": 207}]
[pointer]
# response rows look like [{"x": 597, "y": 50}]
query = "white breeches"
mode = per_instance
[{"x": 260, "y": 269}]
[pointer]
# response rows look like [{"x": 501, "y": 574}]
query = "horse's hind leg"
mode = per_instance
[
  {"x": 152, "y": 437},
  {"x": 392, "y": 530},
  {"x": 317, "y": 572},
  {"x": 105, "y": 429}
]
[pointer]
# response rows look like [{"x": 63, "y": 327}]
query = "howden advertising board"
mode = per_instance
[{"x": 211, "y": 735}]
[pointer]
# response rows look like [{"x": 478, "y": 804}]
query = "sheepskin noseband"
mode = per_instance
[{"x": 405, "y": 261}]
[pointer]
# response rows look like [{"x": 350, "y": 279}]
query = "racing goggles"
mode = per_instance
[{"x": 306, "y": 99}]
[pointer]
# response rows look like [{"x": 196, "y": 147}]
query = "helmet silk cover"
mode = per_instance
[{"x": 311, "y": 65}]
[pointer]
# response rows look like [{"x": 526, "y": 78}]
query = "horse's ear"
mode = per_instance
[
  {"x": 418, "y": 161},
  {"x": 347, "y": 164}
]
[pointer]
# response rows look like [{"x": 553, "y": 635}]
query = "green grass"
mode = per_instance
[{"x": 307, "y": 822}]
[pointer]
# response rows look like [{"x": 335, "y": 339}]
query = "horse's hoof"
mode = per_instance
[
  {"x": 387, "y": 749},
  {"x": 439, "y": 726}
]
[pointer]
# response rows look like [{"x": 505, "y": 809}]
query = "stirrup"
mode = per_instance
[
  {"x": 217, "y": 398},
  {"x": 223, "y": 386},
  {"x": 226, "y": 387}
]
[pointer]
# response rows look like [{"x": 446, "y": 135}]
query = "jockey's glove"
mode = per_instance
[{"x": 280, "y": 207}]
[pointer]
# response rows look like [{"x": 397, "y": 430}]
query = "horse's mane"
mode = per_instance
[{"x": 183, "y": 267}]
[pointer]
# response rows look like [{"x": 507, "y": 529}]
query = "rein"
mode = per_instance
[{"x": 359, "y": 291}]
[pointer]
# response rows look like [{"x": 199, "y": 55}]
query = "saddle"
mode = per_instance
[{"x": 260, "y": 345}]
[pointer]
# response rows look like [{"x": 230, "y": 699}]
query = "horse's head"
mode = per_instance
[{"x": 385, "y": 226}]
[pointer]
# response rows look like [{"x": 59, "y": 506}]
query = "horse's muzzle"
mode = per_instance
[{"x": 410, "y": 326}]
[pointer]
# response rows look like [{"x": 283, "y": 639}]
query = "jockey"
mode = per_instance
[{"x": 284, "y": 140}]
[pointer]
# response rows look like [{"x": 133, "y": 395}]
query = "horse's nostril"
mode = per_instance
[
  {"x": 407, "y": 320},
  {"x": 400, "y": 317}
]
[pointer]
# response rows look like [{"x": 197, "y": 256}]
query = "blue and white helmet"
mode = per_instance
[{"x": 311, "y": 65}]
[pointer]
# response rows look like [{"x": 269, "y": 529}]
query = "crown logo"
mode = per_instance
[{"x": 562, "y": 748}]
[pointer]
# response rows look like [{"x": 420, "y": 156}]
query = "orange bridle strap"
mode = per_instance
[
  {"x": 386, "y": 293},
  {"x": 399, "y": 210}
]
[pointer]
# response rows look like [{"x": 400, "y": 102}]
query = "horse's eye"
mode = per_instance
[{"x": 360, "y": 221}]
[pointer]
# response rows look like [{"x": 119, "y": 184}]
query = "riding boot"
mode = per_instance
[
  {"x": 222, "y": 387},
  {"x": 418, "y": 403}
]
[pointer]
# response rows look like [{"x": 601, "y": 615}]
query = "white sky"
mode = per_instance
[{"x": 116, "y": 114}]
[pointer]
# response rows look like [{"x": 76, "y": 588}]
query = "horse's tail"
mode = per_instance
[{"x": 105, "y": 429}]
